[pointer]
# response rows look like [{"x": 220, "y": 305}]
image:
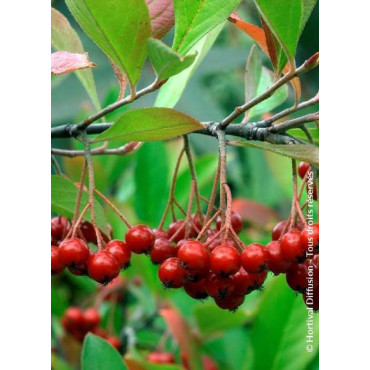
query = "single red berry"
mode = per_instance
[
  {"x": 103, "y": 267},
  {"x": 173, "y": 229},
  {"x": 244, "y": 282},
  {"x": 236, "y": 222},
  {"x": 231, "y": 302},
  {"x": 296, "y": 277},
  {"x": 302, "y": 169},
  {"x": 162, "y": 250},
  {"x": 121, "y": 251},
  {"x": 91, "y": 318},
  {"x": 160, "y": 234},
  {"x": 171, "y": 274},
  {"x": 100, "y": 333},
  {"x": 140, "y": 239},
  {"x": 78, "y": 270},
  {"x": 310, "y": 237},
  {"x": 73, "y": 319},
  {"x": 56, "y": 266},
  {"x": 59, "y": 228},
  {"x": 255, "y": 258},
  {"x": 218, "y": 287},
  {"x": 196, "y": 290},
  {"x": 73, "y": 252},
  {"x": 193, "y": 276},
  {"x": 161, "y": 358},
  {"x": 311, "y": 299},
  {"x": 224, "y": 260},
  {"x": 276, "y": 262},
  {"x": 114, "y": 342},
  {"x": 88, "y": 231},
  {"x": 291, "y": 247},
  {"x": 277, "y": 230},
  {"x": 193, "y": 255},
  {"x": 216, "y": 242},
  {"x": 198, "y": 223}
]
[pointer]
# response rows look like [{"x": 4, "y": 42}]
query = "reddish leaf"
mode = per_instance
[
  {"x": 254, "y": 212},
  {"x": 65, "y": 62},
  {"x": 161, "y": 16},
  {"x": 271, "y": 43},
  {"x": 122, "y": 79}
]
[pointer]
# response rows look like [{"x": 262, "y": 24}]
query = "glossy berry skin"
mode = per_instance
[
  {"x": 121, "y": 251},
  {"x": 302, "y": 169},
  {"x": 59, "y": 228},
  {"x": 296, "y": 277},
  {"x": 196, "y": 290},
  {"x": 216, "y": 242},
  {"x": 171, "y": 274},
  {"x": 254, "y": 258},
  {"x": 56, "y": 266},
  {"x": 243, "y": 283},
  {"x": 91, "y": 318},
  {"x": 78, "y": 270},
  {"x": 140, "y": 239},
  {"x": 276, "y": 262},
  {"x": 236, "y": 222},
  {"x": 218, "y": 287},
  {"x": 173, "y": 228},
  {"x": 224, "y": 260},
  {"x": 231, "y": 303},
  {"x": 103, "y": 267},
  {"x": 161, "y": 358},
  {"x": 291, "y": 247},
  {"x": 277, "y": 230},
  {"x": 193, "y": 256},
  {"x": 162, "y": 250},
  {"x": 73, "y": 319},
  {"x": 193, "y": 276},
  {"x": 114, "y": 342},
  {"x": 73, "y": 252},
  {"x": 160, "y": 234},
  {"x": 310, "y": 237}
]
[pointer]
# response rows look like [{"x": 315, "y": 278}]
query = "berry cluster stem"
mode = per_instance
[
  {"x": 222, "y": 161},
  {"x": 79, "y": 195}
]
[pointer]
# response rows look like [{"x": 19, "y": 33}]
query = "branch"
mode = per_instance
[{"x": 294, "y": 122}]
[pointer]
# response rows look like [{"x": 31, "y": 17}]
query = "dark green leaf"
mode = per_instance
[
  {"x": 150, "y": 124},
  {"x": 120, "y": 28},
  {"x": 167, "y": 62},
  {"x": 195, "y": 18},
  {"x": 98, "y": 354},
  {"x": 308, "y": 6}
]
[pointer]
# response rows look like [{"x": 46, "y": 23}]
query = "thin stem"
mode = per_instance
[
  {"x": 79, "y": 194},
  {"x": 214, "y": 237},
  {"x": 193, "y": 176},
  {"x": 213, "y": 193},
  {"x": 207, "y": 225},
  {"x": 237, "y": 240},
  {"x": 56, "y": 166},
  {"x": 294, "y": 122},
  {"x": 228, "y": 212},
  {"x": 222, "y": 161},
  {"x": 204, "y": 199},
  {"x": 79, "y": 219},
  {"x": 172, "y": 190},
  {"x": 115, "y": 209},
  {"x": 188, "y": 212}
]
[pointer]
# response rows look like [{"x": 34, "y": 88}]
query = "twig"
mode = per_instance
[
  {"x": 79, "y": 194},
  {"x": 222, "y": 160},
  {"x": 294, "y": 122},
  {"x": 207, "y": 225},
  {"x": 228, "y": 212},
  {"x": 79, "y": 219},
  {"x": 188, "y": 212}
]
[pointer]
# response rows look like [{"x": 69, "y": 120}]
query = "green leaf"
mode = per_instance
[
  {"x": 284, "y": 21},
  {"x": 150, "y": 124},
  {"x": 303, "y": 152},
  {"x": 59, "y": 364},
  {"x": 195, "y": 18},
  {"x": 120, "y": 28},
  {"x": 279, "y": 96},
  {"x": 167, "y": 62},
  {"x": 253, "y": 72},
  {"x": 171, "y": 92},
  {"x": 63, "y": 201},
  {"x": 211, "y": 319},
  {"x": 283, "y": 315},
  {"x": 299, "y": 134},
  {"x": 59, "y": 302},
  {"x": 151, "y": 179},
  {"x": 98, "y": 354},
  {"x": 64, "y": 37},
  {"x": 308, "y": 6}
]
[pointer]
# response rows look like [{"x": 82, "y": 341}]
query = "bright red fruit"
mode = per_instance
[
  {"x": 121, "y": 251},
  {"x": 243, "y": 283},
  {"x": 218, "y": 287},
  {"x": 73, "y": 319},
  {"x": 277, "y": 230},
  {"x": 171, "y": 274},
  {"x": 231, "y": 302},
  {"x": 193, "y": 256},
  {"x": 224, "y": 260},
  {"x": 56, "y": 266},
  {"x": 92, "y": 318},
  {"x": 254, "y": 258},
  {"x": 160, "y": 234},
  {"x": 196, "y": 290},
  {"x": 276, "y": 262},
  {"x": 114, "y": 341},
  {"x": 59, "y": 228},
  {"x": 236, "y": 222},
  {"x": 161, "y": 358},
  {"x": 73, "y": 252},
  {"x": 310, "y": 237},
  {"x": 103, "y": 267},
  {"x": 140, "y": 239},
  {"x": 302, "y": 169},
  {"x": 291, "y": 247},
  {"x": 296, "y": 277},
  {"x": 162, "y": 250}
]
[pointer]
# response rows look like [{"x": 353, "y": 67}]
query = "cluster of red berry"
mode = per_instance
[{"x": 78, "y": 323}]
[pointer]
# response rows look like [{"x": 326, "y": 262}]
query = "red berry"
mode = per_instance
[
  {"x": 78, "y": 270},
  {"x": 161, "y": 358},
  {"x": 193, "y": 256},
  {"x": 236, "y": 222},
  {"x": 73, "y": 319},
  {"x": 56, "y": 266},
  {"x": 171, "y": 274},
  {"x": 120, "y": 250},
  {"x": 276, "y": 262},
  {"x": 302, "y": 169},
  {"x": 59, "y": 228},
  {"x": 224, "y": 260},
  {"x": 114, "y": 342},
  {"x": 291, "y": 247},
  {"x": 197, "y": 222},
  {"x": 310, "y": 238},
  {"x": 218, "y": 287},
  {"x": 162, "y": 250},
  {"x": 243, "y": 282},
  {"x": 296, "y": 277},
  {"x": 140, "y": 239},
  {"x": 73, "y": 252},
  {"x": 196, "y": 290},
  {"x": 91, "y": 318},
  {"x": 216, "y": 242},
  {"x": 231, "y": 302},
  {"x": 277, "y": 230},
  {"x": 175, "y": 226},
  {"x": 103, "y": 267},
  {"x": 255, "y": 258},
  {"x": 160, "y": 234}
]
